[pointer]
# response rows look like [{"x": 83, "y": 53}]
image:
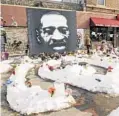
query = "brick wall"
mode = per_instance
[
  {"x": 102, "y": 10},
  {"x": 83, "y": 18},
  {"x": 92, "y": 2},
  {"x": 111, "y": 6},
  {"x": 18, "y": 34},
  {"x": 14, "y": 15},
  {"x": 109, "y": 3}
]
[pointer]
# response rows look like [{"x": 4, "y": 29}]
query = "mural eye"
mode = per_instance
[
  {"x": 63, "y": 30},
  {"x": 49, "y": 30}
]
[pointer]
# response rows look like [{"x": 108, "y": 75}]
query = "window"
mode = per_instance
[
  {"x": 102, "y": 33},
  {"x": 101, "y": 2},
  {"x": 73, "y": 1}
]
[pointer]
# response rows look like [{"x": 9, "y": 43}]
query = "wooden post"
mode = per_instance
[
  {"x": 115, "y": 37},
  {"x": 118, "y": 39}
]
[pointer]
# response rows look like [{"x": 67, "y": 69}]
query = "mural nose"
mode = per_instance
[{"x": 57, "y": 35}]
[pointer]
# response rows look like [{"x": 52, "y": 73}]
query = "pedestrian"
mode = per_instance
[{"x": 88, "y": 43}]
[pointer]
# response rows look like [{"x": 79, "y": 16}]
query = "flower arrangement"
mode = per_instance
[{"x": 51, "y": 90}]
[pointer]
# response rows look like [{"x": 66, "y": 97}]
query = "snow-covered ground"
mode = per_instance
[
  {"x": 28, "y": 100},
  {"x": 85, "y": 77},
  {"x": 114, "y": 112},
  {"x": 81, "y": 76}
]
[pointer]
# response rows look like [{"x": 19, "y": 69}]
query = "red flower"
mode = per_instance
[
  {"x": 50, "y": 68},
  {"x": 13, "y": 72},
  {"x": 51, "y": 90},
  {"x": 109, "y": 69}
]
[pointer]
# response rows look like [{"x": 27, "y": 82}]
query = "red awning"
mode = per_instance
[{"x": 104, "y": 22}]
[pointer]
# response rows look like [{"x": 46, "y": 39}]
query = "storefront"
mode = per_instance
[
  {"x": 104, "y": 29},
  {"x": 99, "y": 26}
]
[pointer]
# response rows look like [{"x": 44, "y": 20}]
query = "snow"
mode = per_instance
[
  {"x": 5, "y": 67},
  {"x": 114, "y": 112},
  {"x": 29, "y": 60},
  {"x": 28, "y": 100},
  {"x": 85, "y": 77}
]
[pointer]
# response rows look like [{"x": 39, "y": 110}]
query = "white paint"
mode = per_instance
[
  {"x": 59, "y": 48},
  {"x": 53, "y": 20}
]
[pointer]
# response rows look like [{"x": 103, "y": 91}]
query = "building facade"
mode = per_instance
[
  {"x": 100, "y": 20},
  {"x": 104, "y": 6},
  {"x": 93, "y": 19}
]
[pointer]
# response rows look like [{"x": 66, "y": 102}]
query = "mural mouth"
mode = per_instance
[
  {"x": 57, "y": 42},
  {"x": 58, "y": 45},
  {"x": 59, "y": 48}
]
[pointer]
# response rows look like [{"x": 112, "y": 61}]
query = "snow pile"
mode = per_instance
[
  {"x": 27, "y": 59},
  {"x": 85, "y": 77},
  {"x": 104, "y": 61},
  {"x": 28, "y": 100},
  {"x": 70, "y": 71},
  {"x": 5, "y": 67},
  {"x": 68, "y": 58},
  {"x": 114, "y": 112},
  {"x": 54, "y": 63}
]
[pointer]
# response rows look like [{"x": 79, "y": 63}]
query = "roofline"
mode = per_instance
[
  {"x": 96, "y": 13},
  {"x": 101, "y": 7},
  {"x": 35, "y": 7}
]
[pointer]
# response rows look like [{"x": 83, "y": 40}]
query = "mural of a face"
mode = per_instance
[
  {"x": 54, "y": 31},
  {"x": 51, "y": 31}
]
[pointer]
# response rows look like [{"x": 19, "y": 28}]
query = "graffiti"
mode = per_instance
[
  {"x": 14, "y": 23},
  {"x": 2, "y": 22}
]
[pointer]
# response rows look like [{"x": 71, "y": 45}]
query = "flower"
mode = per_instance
[
  {"x": 13, "y": 72},
  {"x": 51, "y": 90},
  {"x": 109, "y": 69},
  {"x": 51, "y": 68},
  {"x": 28, "y": 83}
]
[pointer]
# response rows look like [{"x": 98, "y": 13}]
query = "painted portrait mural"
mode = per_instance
[{"x": 51, "y": 30}]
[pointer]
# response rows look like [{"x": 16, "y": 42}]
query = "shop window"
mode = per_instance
[
  {"x": 117, "y": 29},
  {"x": 102, "y": 33},
  {"x": 101, "y": 2}
]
